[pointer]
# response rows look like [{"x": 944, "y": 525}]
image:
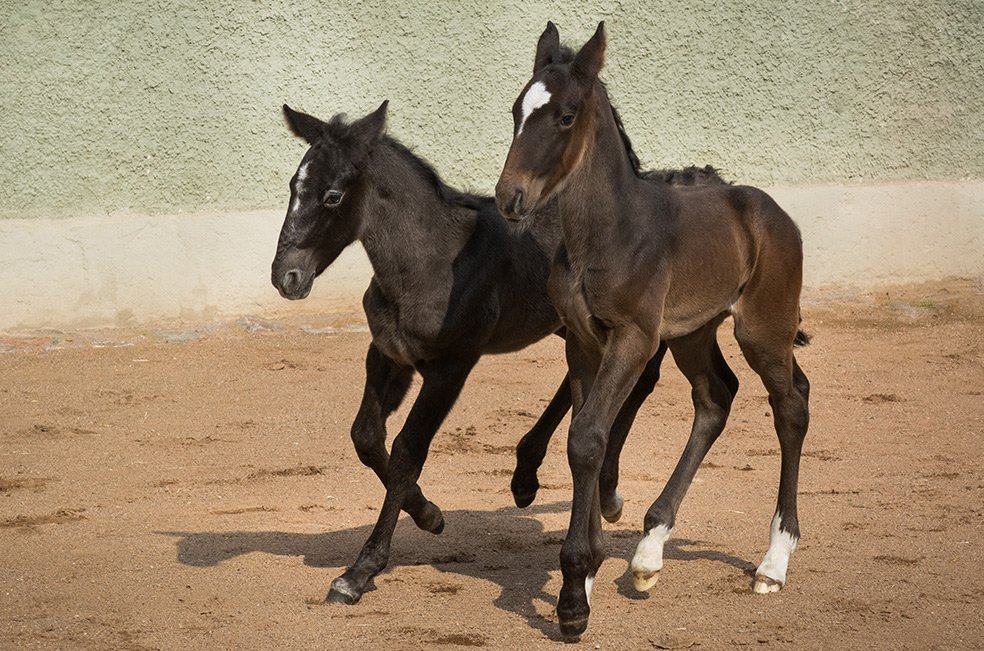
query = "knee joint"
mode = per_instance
[{"x": 585, "y": 449}]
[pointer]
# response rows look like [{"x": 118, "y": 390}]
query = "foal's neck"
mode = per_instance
[
  {"x": 589, "y": 203},
  {"x": 406, "y": 222}
]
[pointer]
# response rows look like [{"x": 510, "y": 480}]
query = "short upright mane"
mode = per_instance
[
  {"x": 566, "y": 55},
  {"x": 444, "y": 191},
  {"x": 338, "y": 131},
  {"x": 687, "y": 176}
]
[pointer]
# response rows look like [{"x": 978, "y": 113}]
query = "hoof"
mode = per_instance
[
  {"x": 644, "y": 581},
  {"x": 573, "y": 627},
  {"x": 765, "y": 585},
  {"x": 523, "y": 500},
  {"x": 341, "y": 593},
  {"x": 430, "y": 519},
  {"x": 613, "y": 511},
  {"x": 524, "y": 495}
]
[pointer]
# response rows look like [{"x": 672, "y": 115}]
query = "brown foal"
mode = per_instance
[{"x": 640, "y": 263}]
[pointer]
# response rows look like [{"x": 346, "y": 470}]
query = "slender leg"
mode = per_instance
[
  {"x": 611, "y": 501},
  {"x": 532, "y": 448},
  {"x": 789, "y": 392},
  {"x": 443, "y": 380},
  {"x": 766, "y": 326},
  {"x": 625, "y": 355},
  {"x": 387, "y": 384},
  {"x": 766, "y": 340},
  {"x": 714, "y": 387}
]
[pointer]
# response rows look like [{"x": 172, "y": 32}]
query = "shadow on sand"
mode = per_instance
[{"x": 507, "y": 547}]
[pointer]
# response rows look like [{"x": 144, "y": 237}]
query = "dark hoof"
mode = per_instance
[
  {"x": 612, "y": 510},
  {"x": 574, "y": 627},
  {"x": 524, "y": 500},
  {"x": 341, "y": 593},
  {"x": 430, "y": 518},
  {"x": 524, "y": 492}
]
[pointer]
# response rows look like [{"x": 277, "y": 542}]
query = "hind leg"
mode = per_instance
[
  {"x": 789, "y": 392},
  {"x": 714, "y": 387},
  {"x": 387, "y": 384}
]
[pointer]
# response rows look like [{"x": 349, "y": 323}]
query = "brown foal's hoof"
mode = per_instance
[{"x": 612, "y": 511}]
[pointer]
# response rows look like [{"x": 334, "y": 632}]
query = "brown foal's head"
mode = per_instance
[{"x": 553, "y": 120}]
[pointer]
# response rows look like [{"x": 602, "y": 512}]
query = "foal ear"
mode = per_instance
[
  {"x": 547, "y": 48},
  {"x": 588, "y": 62},
  {"x": 303, "y": 125},
  {"x": 368, "y": 130}
]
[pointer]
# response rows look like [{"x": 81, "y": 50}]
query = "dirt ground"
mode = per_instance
[{"x": 192, "y": 489}]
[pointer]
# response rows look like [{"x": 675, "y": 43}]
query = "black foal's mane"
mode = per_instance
[
  {"x": 445, "y": 192},
  {"x": 339, "y": 131}
]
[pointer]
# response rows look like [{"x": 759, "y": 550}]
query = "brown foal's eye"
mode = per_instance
[{"x": 567, "y": 120}]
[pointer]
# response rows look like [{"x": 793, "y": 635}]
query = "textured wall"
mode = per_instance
[{"x": 170, "y": 107}]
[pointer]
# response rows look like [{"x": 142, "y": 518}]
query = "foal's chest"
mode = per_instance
[
  {"x": 404, "y": 335},
  {"x": 582, "y": 300}
]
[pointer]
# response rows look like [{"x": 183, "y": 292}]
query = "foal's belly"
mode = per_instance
[
  {"x": 587, "y": 307},
  {"x": 679, "y": 324}
]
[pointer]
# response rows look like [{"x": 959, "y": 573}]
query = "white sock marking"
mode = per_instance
[
  {"x": 781, "y": 545},
  {"x": 588, "y": 585},
  {"x": 536, "y": 96},
  {"x": 649, "y": 554}
]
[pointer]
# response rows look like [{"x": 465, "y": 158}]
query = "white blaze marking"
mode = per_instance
[
  {"x": 781, "y": 545},
  {"x": 536, "y": 96},
  {"x": 299, "y": 187},
  {"x": 649, "y": 554}
]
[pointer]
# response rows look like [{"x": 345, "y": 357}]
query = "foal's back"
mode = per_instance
[{"x": 722, "y": 242}]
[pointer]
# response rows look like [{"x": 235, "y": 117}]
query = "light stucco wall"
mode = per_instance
[
  {"x": 142, "y": 126},
  {"x": 169, "y": 107},
  {"x": 198, "y": 268}
]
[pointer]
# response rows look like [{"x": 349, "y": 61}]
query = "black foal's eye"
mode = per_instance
[
  {"x": 567, "y": 119},
  {"x": 333, "y": 198}
]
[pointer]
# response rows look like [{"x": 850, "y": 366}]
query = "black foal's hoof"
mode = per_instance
[
  {"x": 574, "y": 627},
  {"x": 341, "y": 593},
  {"x": 525, "y": 499},
  {"x": 522, "y": 494},
  {"x": 430, "y": 518}
]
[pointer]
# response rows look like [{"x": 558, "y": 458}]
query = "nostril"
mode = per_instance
[
  {"x": 292, "y": 279},
  {"x": 517, "y": 202}
]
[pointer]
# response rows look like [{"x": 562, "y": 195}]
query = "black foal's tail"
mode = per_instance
[{"x": 802, "y": 339}]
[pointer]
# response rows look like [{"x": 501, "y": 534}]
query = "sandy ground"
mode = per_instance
[{"x": 193, "y": 489}]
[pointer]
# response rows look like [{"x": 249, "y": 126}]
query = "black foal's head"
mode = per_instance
[
  {"x": 553, "y": 118},
  {"x": 324, "y": 215}
]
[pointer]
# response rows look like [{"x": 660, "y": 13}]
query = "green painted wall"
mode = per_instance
[{"x": 170, "y": 107}]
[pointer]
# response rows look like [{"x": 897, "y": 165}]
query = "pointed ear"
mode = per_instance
[
  {"x": 368, "y": 130},
  {"x": 303, "y": 125},
  {"x": 589, "y": 61},
  {"x": 547, "y": 48}
]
